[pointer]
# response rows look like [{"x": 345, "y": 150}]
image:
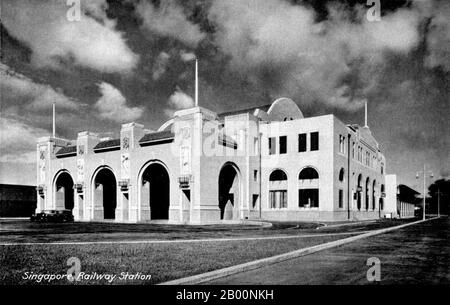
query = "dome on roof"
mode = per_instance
[
  {"x": 166, "y": 126},
  {"x": 284, "y": 109}
]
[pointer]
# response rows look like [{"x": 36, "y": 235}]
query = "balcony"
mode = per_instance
[
  {"x": 124, "y": 184},
  {"x": 78, "y": 187},
  {"x": 40, "y": 189},
  {"x": 184, "y": 181}
]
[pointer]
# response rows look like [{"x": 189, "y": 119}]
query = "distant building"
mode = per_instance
[
  {"x": 267, "y": 162},
  {"x": 17, "y": 200},
  {"x": 400, "y": 199}
]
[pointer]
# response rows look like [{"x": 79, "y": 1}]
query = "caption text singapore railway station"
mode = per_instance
[{"x": 200, "y": 167}]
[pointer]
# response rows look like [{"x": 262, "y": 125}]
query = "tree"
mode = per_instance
[{"x": 440, "y": 188}]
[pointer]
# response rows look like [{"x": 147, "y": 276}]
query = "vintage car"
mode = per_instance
[{"x": 52, "y": 216}]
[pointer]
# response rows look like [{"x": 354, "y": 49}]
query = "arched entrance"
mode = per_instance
[
  {"x": 308, "y": 193},
  {"x": 358, "y": 193},
  {"x": 155, "y": 191},
  {"x": 374, "y": 201},
  {"x": 229, "y": 192},
  {"x": 381, "y": 197},
  {"x": 64, "y": 191},
  {"x": 105, "y": 193},
  {"x": 367, "y": 193}
]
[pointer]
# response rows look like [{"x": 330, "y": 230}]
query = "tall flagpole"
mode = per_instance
[
  {"x": 54, "y": 120},
  {"x": 365, "y": 114},
  {"x": 196, "y": 82}
]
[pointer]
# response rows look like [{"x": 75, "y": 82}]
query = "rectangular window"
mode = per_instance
[
  {"x": 353, "y": 150},
  {"x": 278, "y": 199},
  {"x": 341, "y": 199},
  {"x": 256, "y": 146},
  {"x": 272, "y": 199},
  {"x": 255, "y": 200},
  {"x": 255, "y": 175},
  {"x": 283, "y": 199},
  {"x": 308, "y": 198},
  {"x": 302, "y": 142},
  {"x": 314, "y": 141},
  {"x": 283, "y": 144},
  {"x": 341, "y": 144},
  {"x": 272, "y": 147}
]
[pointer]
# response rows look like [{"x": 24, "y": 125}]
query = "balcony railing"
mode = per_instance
[
  {"x": 184, "y": 181},
  {"x": 79, "y": 187},
  {"x": 124, "y": 184}
]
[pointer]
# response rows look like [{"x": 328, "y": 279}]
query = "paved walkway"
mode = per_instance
[
  {"x": 180, "y": 240},
  {"x": 414, "y": 255}
]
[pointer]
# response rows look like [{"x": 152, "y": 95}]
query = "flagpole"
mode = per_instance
[
  {"x": 54, "y": 120},
  {"x": 196, "y": 82}
]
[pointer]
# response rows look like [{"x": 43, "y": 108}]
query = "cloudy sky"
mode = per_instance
[{"x": 131, "y": 60}]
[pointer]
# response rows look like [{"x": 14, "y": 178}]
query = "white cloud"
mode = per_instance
[
  {"x": 438, "y": 37},
  {"x": 309, "y": 60},
  {"x": 177, "y": 101},
  {"x": 92, "y": 42},
  {"x": 187, "y": 56},
  {"x": 17, "y": 88},
  {"x": 18, "y": 140},
  {"x": 112, "y": 105},
  {"x": 169, "y": 20},
  {"x": 160, "y": 65}
]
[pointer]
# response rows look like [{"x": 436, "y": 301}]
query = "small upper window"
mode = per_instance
[
  {"x": 302, "y": 142},
  {"x": 283, "y": 144},
  {"x": 314, "y": 141},
  {"x": 272, "y": 147}
]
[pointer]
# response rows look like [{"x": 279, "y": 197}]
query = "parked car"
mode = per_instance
[
  {"x": 52, "y": 216},
  {"x": 418, "y": 212}
]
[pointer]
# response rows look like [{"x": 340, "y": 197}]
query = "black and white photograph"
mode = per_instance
[{"x": 220, "y": 150}]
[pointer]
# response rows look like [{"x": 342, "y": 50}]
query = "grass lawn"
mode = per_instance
[{"x": 163, "y": 261}]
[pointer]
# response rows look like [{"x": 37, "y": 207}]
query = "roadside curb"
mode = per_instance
[{"x": 208, "y": 276}]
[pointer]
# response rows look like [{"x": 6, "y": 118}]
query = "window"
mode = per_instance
[
  {"x": 341, "y": 175},
  {"x": 353, "y": 150},
  {"x": 314, "y": 141},
  {"x": 341, "y": 144},
  {"x": 256, "y": 146},
  {"x": 255, "y": 200},
  {"x": 272, "y": 199},
  {"x": 302, "y": 142},
  {"x": 278, "y": 189},
  {"x": 308, "y": 198},
  {"x": 278, "y": 175},
  {"x": 308, "y": 194},
  {"x": 278, "y": 199},
  {"x": 255, "y": 175},
  {"x": 341, "y": 199},
  {"x": 308, "y": 173},
  {"x": 283, "y": 144},
  {"x": 272, "y": 148}
]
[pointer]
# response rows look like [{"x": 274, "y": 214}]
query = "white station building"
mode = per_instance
[{"x": 267, "y": 163}]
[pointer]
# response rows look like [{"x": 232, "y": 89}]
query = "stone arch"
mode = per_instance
[
  {"x": 358, "y": 192},
  {"x": 154, "y": 191},
  {"x": 367, "y": 192},
  {"x": 278, "y": 189},
  {"x": 104, "y": 193},
  {"x": 63, "y": 190},
  {"x": 308, "y": 187},
  {"x": 229, "y": 191},
  {"x": 374, "y": 201}
]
